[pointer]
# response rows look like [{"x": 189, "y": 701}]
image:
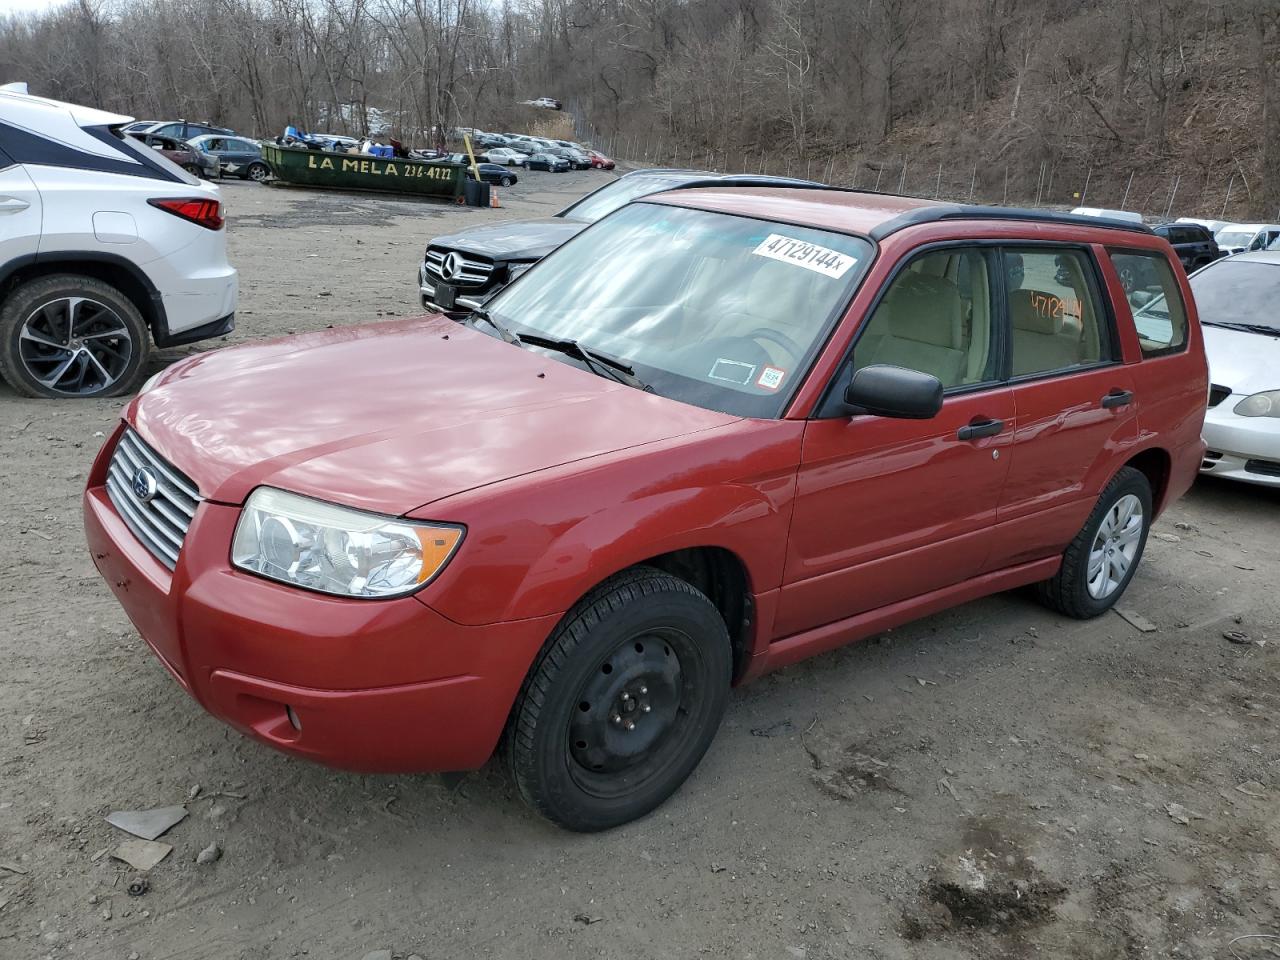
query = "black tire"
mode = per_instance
[
  {"x": 568, "y": 745},
  {"x": 526, "y": 165},
  {"x": 1068, "y": 591},
  {"x": 112, "y": 336},
  {"x": 506, "y": 181},
  {"x": 194, "y": 170},
  {"x": 258, "y": 172}
]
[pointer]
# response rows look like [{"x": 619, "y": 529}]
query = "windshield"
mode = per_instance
[
  {"x": 1238, "y": 291},
  {"x": 715, "y": 310},
  {"x": 1235, "y": 238},
  {"x": 621, "y": 192}
]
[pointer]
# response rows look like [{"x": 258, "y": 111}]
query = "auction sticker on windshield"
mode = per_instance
[{"x": 811, "y": 256}]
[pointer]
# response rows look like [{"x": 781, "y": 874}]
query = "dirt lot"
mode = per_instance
[{"x": 991, "y": 782}]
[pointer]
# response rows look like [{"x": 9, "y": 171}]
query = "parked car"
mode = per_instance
[
  {"x": 489, "y": 140},
  {"x": 107, "y": 246},
  {"x": 236, "y": 156},
  {"x": 493, "y": 173},
  {"x": 547, "y": 103},
  {"x": 189, "y": 158},
  {"x": 140, "y": 126},
  {"x": 460, "y": 271},
  {"x": 1240, "y": 237},
  {"x": 185, "y": 130},
  {"x": 719, "y": 431},
  {"x": 599, "y": 160},
  {"x": 1126, "y": 215},
  {"x": 1213, "y": 225},
  {"x": 505, "y": 156},
  {"x": 1236, "y": 299},
  {"x": 577, "y": 159},
  {"x": 546, "y": 161},
  {"x": 1193, "y": 243}
]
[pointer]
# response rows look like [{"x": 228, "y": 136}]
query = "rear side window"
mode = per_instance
[
  {"x": 1055, "y": 313},
  {"x": 1159, "y": 314}
]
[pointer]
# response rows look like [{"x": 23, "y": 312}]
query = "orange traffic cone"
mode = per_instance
[{"x": 493, "y": 199}]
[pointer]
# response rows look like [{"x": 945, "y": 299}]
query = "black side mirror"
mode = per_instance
[{"x": 887, "y": 391}]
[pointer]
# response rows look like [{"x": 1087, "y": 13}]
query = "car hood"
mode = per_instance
[
  {"x": 514, "y": 240},
  {"x": 391, "y": 416},
  {"x": 1245, "y": 362}
]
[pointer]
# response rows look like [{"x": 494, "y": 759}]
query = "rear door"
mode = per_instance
[
  {"x": 20, "y": 213},
  {"x": 1075, "y": 402},
  {"x": 889, "y": 509}
]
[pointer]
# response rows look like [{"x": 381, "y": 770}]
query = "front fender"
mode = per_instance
[{"x": 537, "y": 549}]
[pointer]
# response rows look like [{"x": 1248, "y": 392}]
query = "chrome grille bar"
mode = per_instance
[{"x": 161, "y": 521}]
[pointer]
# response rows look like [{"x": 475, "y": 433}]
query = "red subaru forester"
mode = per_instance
[{"x": 721, "y": 430}]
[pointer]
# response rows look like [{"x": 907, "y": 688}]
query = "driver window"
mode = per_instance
[{"x": 935, "y": 317}]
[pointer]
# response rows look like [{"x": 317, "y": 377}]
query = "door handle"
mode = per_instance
[
  {"x": 1117, "y": 398},
  {"x": 13, "y": 205},
  {"x": 980, "y": 427}
]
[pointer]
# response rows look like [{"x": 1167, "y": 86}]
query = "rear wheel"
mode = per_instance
[
  {"x": 193, "y": 169},
  {"x": 622, "y": 703},
  {"x": 258, "y": 172},
  {"x": 507, "y": 181},
  {"x": 1102, "y": 559},
  {"x": 71, "y": 336}
]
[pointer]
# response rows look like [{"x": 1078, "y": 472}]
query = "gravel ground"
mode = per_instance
[{"x": 992, "y": 782}]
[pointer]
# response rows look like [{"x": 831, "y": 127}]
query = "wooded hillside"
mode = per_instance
[{"x": 1164, "y": 105}]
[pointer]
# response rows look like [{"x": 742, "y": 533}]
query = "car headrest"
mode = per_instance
[
  {"x": 925, "y": 309},
  {"x": 1034, "y": 311}
]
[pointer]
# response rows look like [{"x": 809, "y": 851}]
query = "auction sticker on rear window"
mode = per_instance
[{"x": 811, "y": 256}]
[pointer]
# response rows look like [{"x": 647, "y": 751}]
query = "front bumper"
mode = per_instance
[
  {"x": 375, "y": 686},
  {"x": 1241, "y": 448}
]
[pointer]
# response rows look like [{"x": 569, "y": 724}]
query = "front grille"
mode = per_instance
[
  {"x": 472, "y": 271},
  {"x": 1268, "y": 468},
  {"x": 1218, "y": 393},
  {"x": 161, "y": 521}
]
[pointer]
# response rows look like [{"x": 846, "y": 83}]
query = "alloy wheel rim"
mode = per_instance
[
  {"x": 1115, "y": 547},
  {"x": 257, "y": 173},
  {"x": 629, "y": 714},
  {"x": 75, "y": 346}
]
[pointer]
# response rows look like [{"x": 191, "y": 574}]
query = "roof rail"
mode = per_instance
[{"x": 966, "y": 211}]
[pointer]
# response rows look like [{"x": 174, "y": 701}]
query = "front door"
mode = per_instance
[{"x": 888, "y": 509}]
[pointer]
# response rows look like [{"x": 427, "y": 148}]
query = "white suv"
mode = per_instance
[{"x": 105, "y": 247}]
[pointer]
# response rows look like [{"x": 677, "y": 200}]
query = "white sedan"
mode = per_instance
[
  {"x": 1236, "y": 299},
  {"x": 505, "y": 155}
]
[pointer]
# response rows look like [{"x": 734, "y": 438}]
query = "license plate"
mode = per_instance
[{"x": 446, "y": 293}]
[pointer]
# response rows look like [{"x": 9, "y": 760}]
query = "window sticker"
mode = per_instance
[
  {"x": 823, "y": 260},
  {"x": 771, "y": 378},
  {"x": 732, "y": 371}
]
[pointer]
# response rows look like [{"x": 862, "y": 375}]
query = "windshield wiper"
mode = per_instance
[
  {"x": 1262, "y": 328},
  {"x": 611, "y": 367},
  {"x": 498, "y": 325}
]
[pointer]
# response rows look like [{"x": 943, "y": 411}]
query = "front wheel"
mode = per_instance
[
  {"x": 1099, "y": 563},
  {"x": 71, "y": 336},
  {"x": 622, "y": 703}
]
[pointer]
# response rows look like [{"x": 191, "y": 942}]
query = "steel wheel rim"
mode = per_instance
[
  {"x": 1115, "y": 547},
  {"x": 75, "y": 346},
  {"x": 632, "y": 714}
]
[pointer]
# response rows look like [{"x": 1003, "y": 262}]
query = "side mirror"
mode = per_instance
[{"x": 887, "y": 391}]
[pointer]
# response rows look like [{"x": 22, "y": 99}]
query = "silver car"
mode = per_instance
[{"x": 1237, "y": 298}]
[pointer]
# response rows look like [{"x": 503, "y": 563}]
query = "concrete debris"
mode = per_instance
[
  {"x": 141, "y": 854},
  {"x": 148, "y": 824},
  {"x": 1135, "y": 619},
  {"x": 210, "y": 854}
]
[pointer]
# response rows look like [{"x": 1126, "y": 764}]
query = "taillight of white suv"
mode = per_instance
[{"x": 198, "y": 210}]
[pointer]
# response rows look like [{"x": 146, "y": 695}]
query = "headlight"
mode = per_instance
[
  {"x": 515, "y": 269},
  {"x": 337, "y": 550},
  {"x": 1260, "y": 405}
]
